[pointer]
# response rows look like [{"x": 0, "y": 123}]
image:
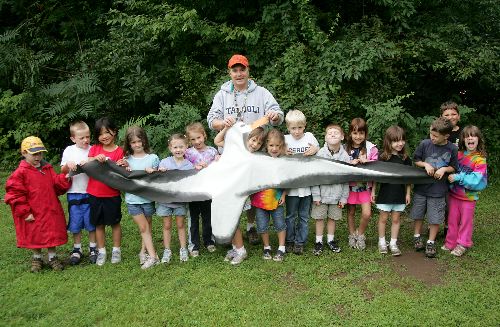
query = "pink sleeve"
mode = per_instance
[{"x": 373, "y": 155}]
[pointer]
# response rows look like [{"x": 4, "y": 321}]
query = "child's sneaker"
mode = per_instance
[
  {"x": 266, "y": 254},
  {"x": 143, "y": 256},
  {"x": 298, "y": 249},
  {"x": 183, "y": 254},
  {"x": 430, "y": 250},
  {"x": 239, "y": 257},
  {"x": 116, "y": 256},
  {"x": 150, "y": 262},
  {"x": 36, "y": 265},
  {"x": 382, "y": 248},
  {"x": 194, "y": 252},
  {"x": 332, "y": 245},
  {"x": 418, "y": 243},
  {"x": 230, "y": 255},
  {"x": 444, "y": 248},
  {"x": 211, "y": 248},
  {"x": 459, "y": 250},
  {"x": 289, "y": 247},
  {"x": 101, "y": 258},
  {"x": 279, "y": 256},
  {"x": 167, "y": 254},
  {"x": 92, "y": 255},
  {"x": 76, "y": 257},
  {"x": 361, "y": 242},
  {"x": 55, "y": 264},
  {"x": 318, "y": 248},
  {"x": 394, "y": 250},
  {"x": 352, "y": 241}
]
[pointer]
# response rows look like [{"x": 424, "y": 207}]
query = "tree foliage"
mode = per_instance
[{"x": 160, "y": 62}]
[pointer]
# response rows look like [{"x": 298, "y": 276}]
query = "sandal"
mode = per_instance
[
  {"x": 459, "y": 250},
  {"x": 55, "y": 264},
  {"x": 36, "y": 265}
]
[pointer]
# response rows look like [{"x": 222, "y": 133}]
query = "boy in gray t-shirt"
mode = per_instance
[{"x": 438, "y": 157}]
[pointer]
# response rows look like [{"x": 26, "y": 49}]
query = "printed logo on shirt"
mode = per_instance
[
  {"x": 300, "y": 149},
  {"x": 439, "y": 161},
  {"x": 252, "y": 109}
]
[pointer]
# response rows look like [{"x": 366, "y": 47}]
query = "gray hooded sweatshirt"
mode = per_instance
[
  {"x": 254, "y": 103},
  {"x": 334, "y": 193}
]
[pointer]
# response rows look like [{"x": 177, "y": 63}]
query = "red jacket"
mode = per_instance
[{"x": 29, "y": 190}]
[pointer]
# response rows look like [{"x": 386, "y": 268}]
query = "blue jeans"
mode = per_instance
[
  {"x": 301, "y": 207},
  {"x": 262, "y": 219}
]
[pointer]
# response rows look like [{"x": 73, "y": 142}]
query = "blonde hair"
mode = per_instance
[
  {"x": 79, "y": 125},
  {"x": 196, "y": 127},
  {"x": 273, "y": 133},
  {"x": 295, "y": 117},
  {"x": 177, "y": 136}
]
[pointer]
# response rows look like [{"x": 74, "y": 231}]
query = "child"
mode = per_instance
[
  {"x": 270, "y": 203},
  {"x": 105, "y": 202},
  {"x": 329, "y": 199},
  {"x": 449, "y": 110},
  {"x": 31, "y": 192},
  {"x": 254, "y": 143},
  {"x": 200, "y": 155},
  {"x": 78, "y": 198},
  {"x": 438, "y": 157},
  {"x": 298, "y": 201},
  {"x": 136, "y": 147},
  {"x": 177, "y": 144},
  {"x": 466, "y": 184},
  {"x": 392, "y": 198},
  {"x": 360, "y": 151}
]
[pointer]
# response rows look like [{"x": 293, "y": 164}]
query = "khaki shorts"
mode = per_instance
[{"x": 324, "y": 211}]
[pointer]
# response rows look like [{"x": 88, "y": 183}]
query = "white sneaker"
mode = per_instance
[
  {"x": 116, "y": 256},
  {"x": 239, "y": 258},
  {"x": 230, "y": 255},
  {"x": 211, "y": 248},
  {"x": 167, "y": 255},
  {"x": 101, "y": 258},
  {"x": 395, "y": 251},
  {"x": 360, "y": 242},
  {"x": 183, "y": 254},
  {"x": 150, "y": 262},
  {"x": 382, "y": 248},
  {"x": 143, "y": 256}
]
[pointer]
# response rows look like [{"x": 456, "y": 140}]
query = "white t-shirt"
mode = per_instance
[
  {"x": 300, "y": 146},
  {"x": 77, "y": 155}
]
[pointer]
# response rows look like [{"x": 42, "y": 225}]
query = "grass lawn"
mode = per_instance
[{"x": 350, "y": 288}]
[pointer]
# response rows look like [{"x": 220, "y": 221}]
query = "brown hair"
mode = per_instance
[
  {"x": 196, "y": 127},
  {"x": 178, "y": 136},
  {"x": 273, "y": 133},
  {"x": 449, "y": 105},
  {"x": 335, "y": 126},
  {"x": 258, "y": 132},
  {"x": 471, "y": 130},
  {"x": 442, "y": 126},
  {"x": 359, "y": 125},
  {"x": 138, "y": 132},
  {"x": 78, "y": 126},
  {"x": 393, "y": 134}
]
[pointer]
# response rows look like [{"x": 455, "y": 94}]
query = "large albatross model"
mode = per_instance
[{"x": 239, "y": 173}]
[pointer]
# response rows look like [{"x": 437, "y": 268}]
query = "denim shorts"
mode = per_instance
[
  {"x": 79, "y": 213},
  {"x": 146, "y": 209},
  {"x": 262, "y": 218},
  {"x": 391, "y": 207},
  {"x": 166, "y": 211},
  {"x": 433, "y": 207}
]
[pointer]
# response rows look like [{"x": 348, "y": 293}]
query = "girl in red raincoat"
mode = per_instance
[{"x": 32, "y": 192}]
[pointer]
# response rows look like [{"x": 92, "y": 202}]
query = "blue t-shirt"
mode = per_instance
[
  {"x": 148, "y": 161},
  {"x": 437, "y": 156}
]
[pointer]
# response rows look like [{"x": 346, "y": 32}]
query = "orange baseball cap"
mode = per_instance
[
  {"x": 238, "y": 59},
  {"x": 32, "y": 145}
]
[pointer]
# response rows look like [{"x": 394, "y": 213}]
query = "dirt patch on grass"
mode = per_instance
[
  {"x": 416, "y": 265},
  {"x": 337, "y": 276},
  {"x": 290, "y": 279}
]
